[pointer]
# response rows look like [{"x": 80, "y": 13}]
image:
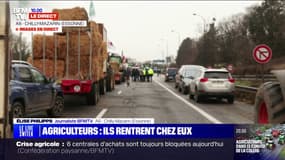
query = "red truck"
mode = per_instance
[
  {"x": 76, "y": 57},
  {"x": 92, "y": 79}
]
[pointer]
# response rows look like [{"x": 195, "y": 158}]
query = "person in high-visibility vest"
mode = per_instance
[
  {"x": 147, "y": 73},
  {"x": 150, "y": 72}
]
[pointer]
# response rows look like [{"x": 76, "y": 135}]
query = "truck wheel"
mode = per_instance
[
  {"x": 112, "y": 84},
  {"x": 102, "y": 87},
  {"x": 17, "y": 110},
  {"x": 108, "y": 84},
  {"x": 118, "y": 81},
  {"x": 91, "y": 99},
  {"x": 97, "y": 93},
  {"x": 179, "y": 89},
  {"x": 105, "y": 85},
  {"x": 197, "y": 97},
  {"x": 57, "y": 107},
  {"x": 184, "y": 90},
  {"x": 191, "y": 96},
  {"x": 269, "y": 104},
  {"x": 230, "y": 100}
]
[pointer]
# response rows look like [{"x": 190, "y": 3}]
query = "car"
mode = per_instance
[
  {"x": 184, "y": 76},
  {"x": 258, "y": 137},
  {"x": 275, "y": 133},
  {"x": 258, "y": 132},
  {"x": 170, "y": 74},
  {"x": 31, "y": 91},
  {"x": 282, "y": 131},
  {"x": 270, "y": 144},
  {"x": 267, "y": 137},
  {"x": 281, "y": 139},
  {"x": 208, "y": 83}
]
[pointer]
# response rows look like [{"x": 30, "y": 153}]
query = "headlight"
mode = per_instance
[{"x": 77, "y": 88}]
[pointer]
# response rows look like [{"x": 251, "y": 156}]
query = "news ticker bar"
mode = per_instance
[
  {"x": 111, "y": 137},
  {"x": 139, "y": 149},
  {"x": 117, "y": 149},
  {"x": 89, "y": 128}
]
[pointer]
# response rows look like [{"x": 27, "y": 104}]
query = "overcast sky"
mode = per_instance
[{"x": 143, "y": 29}]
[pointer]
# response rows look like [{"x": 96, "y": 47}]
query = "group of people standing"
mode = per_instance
[
  {"x": 146, "y": 74},
  {"x": 140, "y": 74}
]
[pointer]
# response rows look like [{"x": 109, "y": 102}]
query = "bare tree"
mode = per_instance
[{"x": 20, "y": 49}]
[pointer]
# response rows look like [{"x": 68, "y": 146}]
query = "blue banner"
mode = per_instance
[
  {"x": 123, "y": 131},
  {"x": 86, "y": 138}
]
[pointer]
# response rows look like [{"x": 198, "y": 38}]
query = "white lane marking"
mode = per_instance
[
  {"x": 101, "y": 114},
  {"x": 119, "y": 92},
  {"x": 202, "y": 112}
]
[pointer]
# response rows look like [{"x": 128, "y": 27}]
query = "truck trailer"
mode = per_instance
[{"x": 76, "y": 57}]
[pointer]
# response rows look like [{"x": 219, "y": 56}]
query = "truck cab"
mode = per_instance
[{"x": 115, "y": 60}]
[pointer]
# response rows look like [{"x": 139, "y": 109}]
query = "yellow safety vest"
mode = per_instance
[{"x": 150, "y": 71}]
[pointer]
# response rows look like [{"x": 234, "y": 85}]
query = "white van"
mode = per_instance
[{"x": 184, "y": 76}]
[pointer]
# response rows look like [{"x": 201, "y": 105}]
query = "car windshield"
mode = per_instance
[
  {"x": 217, "y": 75},
  {"x": 188, "y": 73},
  {"x": 171, "y": 71},
  {"x": 115, "y": 59}
]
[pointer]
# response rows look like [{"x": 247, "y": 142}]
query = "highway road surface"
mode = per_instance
[{"x": 158, "y": 100}]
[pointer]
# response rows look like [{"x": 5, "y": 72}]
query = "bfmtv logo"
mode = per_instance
[{"x": 26, "y": 131}]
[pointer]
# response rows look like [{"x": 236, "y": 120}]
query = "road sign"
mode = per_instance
[
  {"x": 262, "y": 53},
  {"x": 230, "y": 68}
]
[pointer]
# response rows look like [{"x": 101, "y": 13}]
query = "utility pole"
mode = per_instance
[
  {"x": 166, "y": 53},
  {"x": 204, "y": 20},
  {"x": 179, "y": 38},
  {"x": 166, "y": 49},
  {"x": 4, "y": 68}
]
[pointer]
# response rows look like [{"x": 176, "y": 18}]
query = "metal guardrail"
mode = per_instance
[
  {"x": 267, "y": 77},
  {"x": 254, "y": 76},
  {"x": 246, "y": 89}
]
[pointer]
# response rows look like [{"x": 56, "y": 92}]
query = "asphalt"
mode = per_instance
[{"x": 158, "y": 100}]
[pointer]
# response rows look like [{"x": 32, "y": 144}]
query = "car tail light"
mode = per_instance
[
  {"x": 203, "y": 79},
  {"x": 232, "y": 80}
]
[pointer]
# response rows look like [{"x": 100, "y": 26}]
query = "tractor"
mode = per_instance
[{"x": 269, "y": 101}]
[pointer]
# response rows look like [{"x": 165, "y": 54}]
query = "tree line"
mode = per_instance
[{"x": 232, "y": 40}]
